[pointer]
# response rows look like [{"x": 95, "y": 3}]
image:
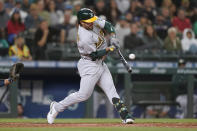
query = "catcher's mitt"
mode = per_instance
[{"x": 15, "y": 71}]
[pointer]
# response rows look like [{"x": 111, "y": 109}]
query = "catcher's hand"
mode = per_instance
[{"x": 15, "y": 71}]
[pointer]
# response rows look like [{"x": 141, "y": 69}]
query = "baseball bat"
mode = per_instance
[
  {"x": 125, "y": 63},
  {"x": 4, "y": 94}
]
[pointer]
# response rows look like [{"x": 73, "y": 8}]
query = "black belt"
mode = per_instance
[{"x": 87, "y": 57}]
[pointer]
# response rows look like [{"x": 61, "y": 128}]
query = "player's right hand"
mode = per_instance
[
  {"x": 115, "y": 42},
  {"x": 110, "y": 48}
]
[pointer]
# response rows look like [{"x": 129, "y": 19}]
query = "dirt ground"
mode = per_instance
[{"x": 173, "y": 125}]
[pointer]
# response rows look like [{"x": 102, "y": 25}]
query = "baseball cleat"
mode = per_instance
[
  {"x": 52, "y": 113},
  {"x": 128, "y": 121}
]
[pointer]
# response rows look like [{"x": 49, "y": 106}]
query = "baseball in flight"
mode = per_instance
[{"x": 131, "y": 56}]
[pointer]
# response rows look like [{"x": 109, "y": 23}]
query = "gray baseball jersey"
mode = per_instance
[{"x": 89, "y": 41}]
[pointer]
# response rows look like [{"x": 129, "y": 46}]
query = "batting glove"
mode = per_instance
[
  {"x": 115, "y": 42},
  {"x": 110, "y": 48}
]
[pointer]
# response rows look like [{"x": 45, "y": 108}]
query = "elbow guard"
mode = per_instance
[{"x": 109, "y": 27}]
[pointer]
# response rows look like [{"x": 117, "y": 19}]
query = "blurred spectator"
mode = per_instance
[
  {"x": 177, "y": 2},
  {"x": 157, "y": 111},
  {"x": 162, "y": 23},
  {"x": 114, "y": 12},
  {"x": 20, "y": 49},
  {"x": 195, "y": 28},
  {"x": 54, "y": 15},
  {"x": 180, "y": 92},
  {"x": 122, "y": 30},
  {"x": 9, "y": 5},
  {"x": 123, "y": 5},
  {"x": 172, "y": 11},
  {"x": 3, "y": 43},
  {"x": 194, "y": 15},
  {"x": 179, "y": 81},
  {"x": 161, "y": 26},
  {"x": 66, "y": 25},
  {"x": 41, "y": 38},
  {"x": 43, "y": 13},
  {"x": 133, "y": 41},
  {"x": 77, "y": 6},
  {"x": 72, "y": 35},
  {"x": 167, "y": 3},
  {"x": 20, "y": 111},
  {"x": 185, "y": 4},
  {"x": 165, "y": 13},
  {"x": 150, "y": 9},
  {"x": 14, "y": 26},
  {"x": 17, "y": 6},
  {"x": 89, "y": 3},
  {"x": 101, "y": 9},
  {"x": 73, "y": 18},
  {"x": 172, "y": 42},
  {"x": 135, "y": 9},
  {"x": 60, "y": 5},
  {"x": 33, "y": 19},
  {"x": 189, "y": 43},
  {"x": 181, "y": 22},
  {"x": 25, "y": 5},
  {"x": 151, "y": 40},
  {"x": 4, "y": 17},
  {"x": 46, "y": 4},
  {"x": 194, "y": 20},
  {"x": 44, "y": 35},
  {"x": 129, "y": 17},
  {"x": 144, "y": 21}
]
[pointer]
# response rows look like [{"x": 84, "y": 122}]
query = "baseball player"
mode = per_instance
[{"x": 93, "y": 49}]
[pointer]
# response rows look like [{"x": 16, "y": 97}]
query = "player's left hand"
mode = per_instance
[
  {"x": 111, "y": 48},
  {"x": 115, "y": 42}
]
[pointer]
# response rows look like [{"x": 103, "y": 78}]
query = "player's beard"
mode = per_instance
[{"x": 88, "y": 26}]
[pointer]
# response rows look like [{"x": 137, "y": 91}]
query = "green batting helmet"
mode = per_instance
[{"x": 86, "y": 15}]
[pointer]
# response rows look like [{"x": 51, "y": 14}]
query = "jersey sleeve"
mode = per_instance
[{"x": 100, "y": 23}]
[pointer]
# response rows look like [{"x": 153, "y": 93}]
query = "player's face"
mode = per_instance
[{"x": 88, "y": 26}]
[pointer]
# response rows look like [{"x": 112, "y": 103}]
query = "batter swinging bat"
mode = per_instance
[{"x": 125, "y": 63}]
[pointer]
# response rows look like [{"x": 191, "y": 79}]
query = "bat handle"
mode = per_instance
[{"x": 129, "y": 69}]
